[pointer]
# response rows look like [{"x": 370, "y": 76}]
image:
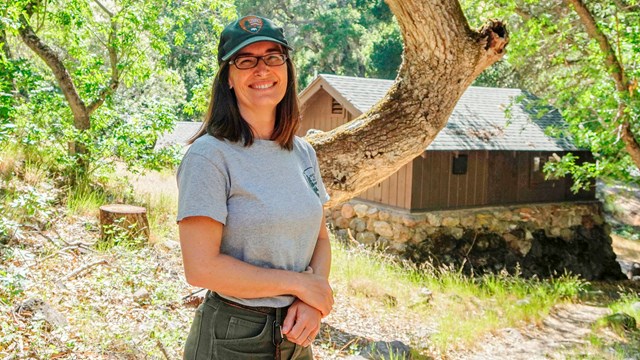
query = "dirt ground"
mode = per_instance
[{"x": 567, "y": 332}]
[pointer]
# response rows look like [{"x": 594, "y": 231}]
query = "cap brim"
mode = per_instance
[{"x": 250, "y": 41}]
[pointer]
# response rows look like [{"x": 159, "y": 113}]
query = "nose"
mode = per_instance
[{"x": 261, "y": 67}]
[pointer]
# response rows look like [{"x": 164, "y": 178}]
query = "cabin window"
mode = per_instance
[
  {"x": 336, "y": 108},
  {"x": 459, "y": 165},
  {"x": 536, "y": 163},
  {"x": 538, "y": 175}
]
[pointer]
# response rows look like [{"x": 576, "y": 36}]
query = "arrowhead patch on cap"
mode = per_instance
[{"x": 252, "y": 24}]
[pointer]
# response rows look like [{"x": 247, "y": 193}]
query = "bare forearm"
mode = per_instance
[
  {"x": 236, "y": 278},
  {"x": 206, "y": 266}
]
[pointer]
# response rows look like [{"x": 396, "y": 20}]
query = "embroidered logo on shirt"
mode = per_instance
[{"x": 311, "y": 179}]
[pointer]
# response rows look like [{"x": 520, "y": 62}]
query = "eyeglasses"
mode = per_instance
[{"x": 249, "y": 62}]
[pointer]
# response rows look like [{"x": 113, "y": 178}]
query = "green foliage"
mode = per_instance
[
  {"x": 192, "y": 38},
  {"x": 551, "y": 55},
  {"x": 353, "y": 37},
  {"x": 12, "y": 282},
  {"x": 20, "y": 206},
  {"x": 501, "y": 74},
  {"x": 85, "y": 199},
  {"x": 125, "y": 42},
  {"x": 127, "y": 236},
  {"x": 386, "y": 55}
]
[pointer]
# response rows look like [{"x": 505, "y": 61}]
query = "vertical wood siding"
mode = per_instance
[
  {"x": 427, "y": 183},
  {"x": 492, "y": 178},
  {"x": 395, "y": 191},
  {"x": 316, "y": 114},
  {"x": 434, "y": 185}
]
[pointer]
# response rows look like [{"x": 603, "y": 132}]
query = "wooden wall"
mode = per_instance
[
  {"x": 394, "y": 190},
  {"x": 321, "y": 113},
  {"x": 492, "y": 178},
  {"x": 427, "y": 183},
  {"x": 435, "y": 187}
]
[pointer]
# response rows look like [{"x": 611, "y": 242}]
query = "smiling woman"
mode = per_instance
[
  {"x": 259, "y": 87},
  {"x": 250, "y": 208}
]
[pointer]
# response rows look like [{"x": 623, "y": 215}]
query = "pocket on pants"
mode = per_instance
[
  {"x": 242, "y": 336},
  {"x": 241, "y": 329}
]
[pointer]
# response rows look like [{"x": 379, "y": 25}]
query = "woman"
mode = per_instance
[{"x": 250, "y": 212}]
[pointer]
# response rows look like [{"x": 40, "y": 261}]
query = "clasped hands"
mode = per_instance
[{"x": 302, "y": 323}]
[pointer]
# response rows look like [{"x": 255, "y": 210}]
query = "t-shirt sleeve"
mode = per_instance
[
  {"x": 322, "y": 191},
  {"x": 203, "y": 188}
]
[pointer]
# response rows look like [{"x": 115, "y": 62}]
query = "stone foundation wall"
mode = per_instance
[{"x": 536, "y": 239}]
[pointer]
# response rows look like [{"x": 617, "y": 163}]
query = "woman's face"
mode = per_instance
[{"x": 260, "y": 88}]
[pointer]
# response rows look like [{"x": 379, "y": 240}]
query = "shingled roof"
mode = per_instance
[{"x": 484, "y": 118}]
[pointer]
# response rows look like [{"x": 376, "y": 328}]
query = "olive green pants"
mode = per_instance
[{"x": 224, "y": 332}]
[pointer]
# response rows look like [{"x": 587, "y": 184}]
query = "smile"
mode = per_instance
[{"x": 263, "y": 86}]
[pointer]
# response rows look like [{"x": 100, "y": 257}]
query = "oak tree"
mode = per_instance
[{"x": 442, "y": 57}]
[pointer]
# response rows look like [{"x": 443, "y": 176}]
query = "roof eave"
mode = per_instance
[{"x": 321, "y": 83}]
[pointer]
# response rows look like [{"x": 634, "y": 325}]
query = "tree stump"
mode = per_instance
[{"x": 123, "y": 221}]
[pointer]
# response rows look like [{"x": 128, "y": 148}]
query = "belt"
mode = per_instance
[
  {"x": 259, "y": 309},
  {"x": 279, "y": 314}
]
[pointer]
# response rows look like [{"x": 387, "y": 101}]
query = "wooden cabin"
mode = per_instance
[{"x": 491, "y": 152}]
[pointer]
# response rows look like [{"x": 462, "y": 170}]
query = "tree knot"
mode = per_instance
[{"x": 496, "y": 35}]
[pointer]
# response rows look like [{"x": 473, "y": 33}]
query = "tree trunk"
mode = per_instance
[
  {"x": 81, "y": 111},
  {"x": 442, "y": 57},
  {"x": 120, "y": 220}
]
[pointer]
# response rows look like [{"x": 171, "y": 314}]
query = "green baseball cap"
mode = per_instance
[{"x": 248, "y": 30}]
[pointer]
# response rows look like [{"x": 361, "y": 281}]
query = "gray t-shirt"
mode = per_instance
[{"x": 269, "y": 200}]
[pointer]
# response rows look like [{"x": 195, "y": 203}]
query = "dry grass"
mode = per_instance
[
  {"x": 155, "y": 183},
  {"x": 9, "y": 162}
]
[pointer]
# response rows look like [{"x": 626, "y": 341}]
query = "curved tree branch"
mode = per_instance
[
  {"x": 618, "y": 74},
  {"x": 442, "y": 57},
  {"x": 104, "y": 8},
  {"x": 613, "y": 64},
  {"x": 53, "y": 61}
]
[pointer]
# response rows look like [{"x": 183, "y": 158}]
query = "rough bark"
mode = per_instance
[
  {"x": 616, "y": 70},
  {"x": 442, "y": 57}
]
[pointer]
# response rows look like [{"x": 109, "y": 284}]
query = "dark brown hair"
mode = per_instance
[{"x": 223, "y": 119}]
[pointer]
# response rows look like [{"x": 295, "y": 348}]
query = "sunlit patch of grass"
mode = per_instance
[
  {"x": 464, "y": 307},
  {"x": 10, "y": 160},
  {"x": 628, "y": 304},
  {"x": 35, "y": 173},
  {"x": 374, "y": 276},
  {"x": 85, "y": 200},
  {"x": 161, "y": 213},
  {"x": 158, "y": 193}
]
